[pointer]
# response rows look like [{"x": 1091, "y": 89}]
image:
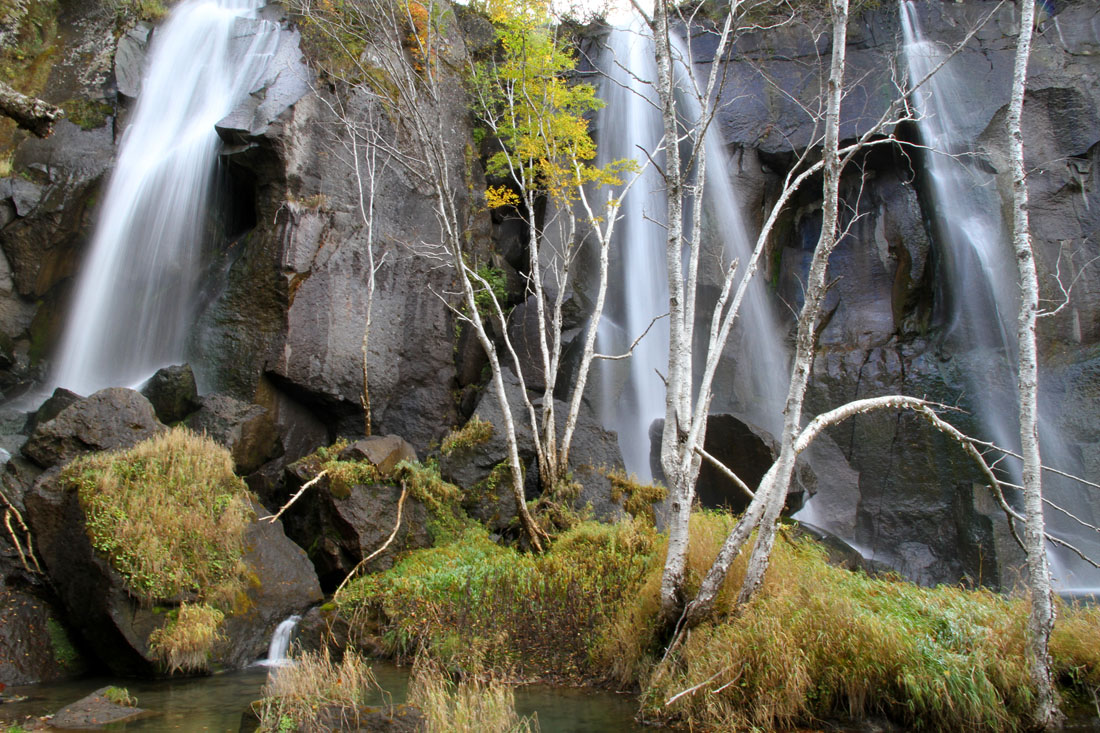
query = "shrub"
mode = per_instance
[
  {"x": 317, "y": 693},
  {"x": 184, "y": 643},
  {"x": 169, "y": 514},
  {"x": 469, "y": 705}
]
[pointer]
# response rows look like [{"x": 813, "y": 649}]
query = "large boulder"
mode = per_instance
[
  {"x": 110, "y": 419},
  {"x": 115, "y": 626},
  {"x": 247, "y": 430},
  {"x": 173, "y": 393},
  {"x": 341, "y": 523}
]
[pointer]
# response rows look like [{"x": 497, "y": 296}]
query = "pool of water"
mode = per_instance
[{"x": 217, "y": 703}]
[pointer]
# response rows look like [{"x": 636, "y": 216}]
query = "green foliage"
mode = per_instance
[
  {"x": 120, "y": 696},
  {"x": 474, "y": 604},
  {"x": 637, "y": 498},
  {"x": 526, "y": 98},
  {"x": 129, "y": 12},
  {"x": 186, "y": 640},
  {"x": 494, "y": 289},
  {"x": 474, "y": 433},
  {"x": 169, "y": 514}
]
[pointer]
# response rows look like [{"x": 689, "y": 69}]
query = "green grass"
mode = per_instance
[
  {"x": 816, "y": 643},
  {"x": 473, "y": 604},
  {"x": 474, "y": 433}
]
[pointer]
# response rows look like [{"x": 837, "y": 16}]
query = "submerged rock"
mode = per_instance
[{"x": 103, "y": 707}]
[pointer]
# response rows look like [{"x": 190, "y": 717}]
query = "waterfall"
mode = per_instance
[
  {"x": 280, "y": 643},
  {"x": 134, "y": 301},
  {"x": 632, "y": 392},
  {"x": 981, "y": 285}
]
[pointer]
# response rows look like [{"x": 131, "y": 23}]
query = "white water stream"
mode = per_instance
[
  {"x": 632, "y": 392},
  {"x": 280, "y": 643},
  {"x": 134, "y": 301},
  {"x": 982, "y": 286}
]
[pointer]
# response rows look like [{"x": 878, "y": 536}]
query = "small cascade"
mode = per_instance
[
  {"x": 633, "y": 391},
  {"x": 134, "y": 301},
  {"x": 280, "y": 643},
  {"x": 981, "y": 287}
]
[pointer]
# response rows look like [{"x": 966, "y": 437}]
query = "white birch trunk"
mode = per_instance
[{"x": 1041, "y": 617}]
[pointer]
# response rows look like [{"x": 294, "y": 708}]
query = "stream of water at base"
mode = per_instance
[{"x": 218, "y": 703}]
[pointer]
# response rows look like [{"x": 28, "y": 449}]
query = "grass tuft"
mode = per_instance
[
  {"x": 317, "y": 693},
  {"x": 474, "y": 433},
  {"x": 637, "y": 498},
  {"x": 185, "y": 642}
]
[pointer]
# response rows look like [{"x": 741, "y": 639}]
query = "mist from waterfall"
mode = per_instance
[
  {"x": 134, "y": 301},
  {"x": 632, "y": 394},
  {"x": 981, "y": 287}
]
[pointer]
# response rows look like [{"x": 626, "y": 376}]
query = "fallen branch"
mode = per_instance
[
  {"x": 29, "y": 113},
  {"x": 380, "y": 550},
  {"x": 272, "y": 517}
]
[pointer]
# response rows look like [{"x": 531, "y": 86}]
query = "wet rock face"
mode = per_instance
[
  {"x": 247, "y": 430},
  {"x": 902, "y": 493},
  {"x": 34, "y": 645},
  {"x": 294, "y": 302}
]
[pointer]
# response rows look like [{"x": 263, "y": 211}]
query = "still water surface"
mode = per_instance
[{"x": 216, "y": 704}]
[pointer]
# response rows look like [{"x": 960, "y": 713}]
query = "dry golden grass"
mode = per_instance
[
  {"x": 184, "y": 643},
  {"x": 169, "y": 513},
  {"x": 316, "y": 691},
  {"x": 467, "y": 706}
]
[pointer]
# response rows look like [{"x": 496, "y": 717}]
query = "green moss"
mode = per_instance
[
  {"x": 474, "y": 433},
  {"x": 64, "y": 653},
  {"x": 637, "y": 499},
  {"x": 120, "y": 696},
  {"x": 87, "y": 114}
]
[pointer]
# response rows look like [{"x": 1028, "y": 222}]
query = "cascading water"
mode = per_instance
[
  {"x": 134, "y": 301},
  {"x": 280, "y": 643},
  {"x": 633, "y": 393},
  {"x": 981, "y": 284}
]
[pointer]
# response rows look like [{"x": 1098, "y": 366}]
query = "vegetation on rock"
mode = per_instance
[
  {"x": 474, "y": 433},
  {"x": 170, "y": 516},
  {"x": 317, "y": 691},
  {"x": 466, "y": 705}
]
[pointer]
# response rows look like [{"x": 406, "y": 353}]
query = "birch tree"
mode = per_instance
[
  {"x": 537, "y": 118},
  {"x": 1041, "y": 616}
]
